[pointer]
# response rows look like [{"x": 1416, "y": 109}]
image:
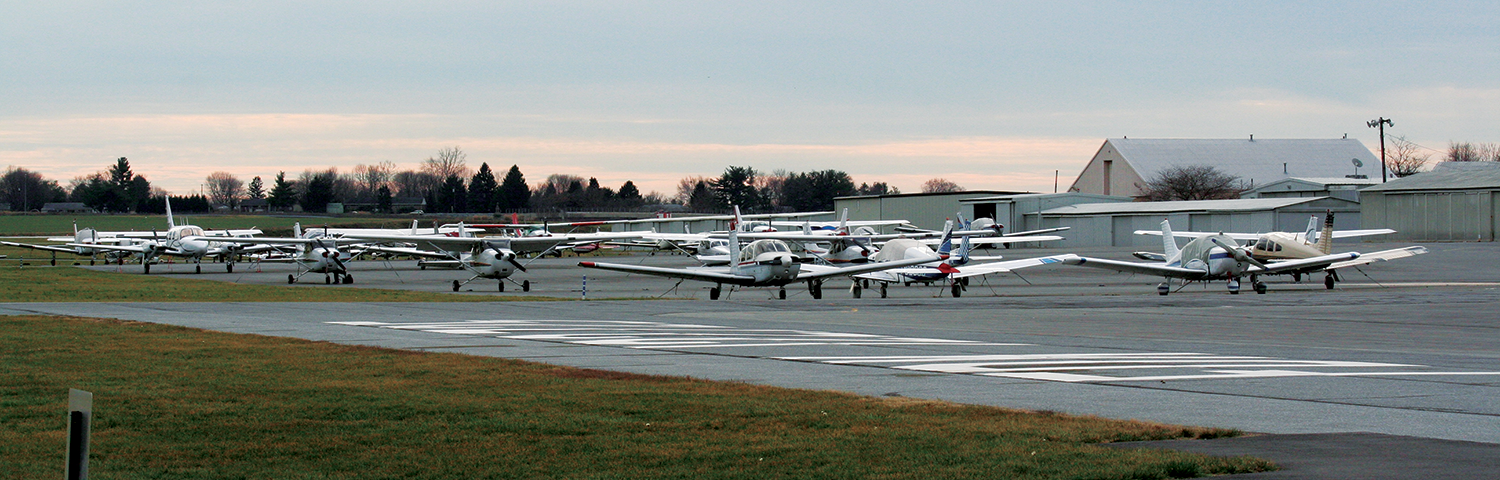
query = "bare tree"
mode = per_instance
[
  {"x": 411, "y": 183},
  {"x": 369, "y": 178},
  {"x": 1405, "y": 158},
  {"x": 940, "y": 185},
  {"x": 685, "y": 188},
  {"x": 448, "y": 163},
  {"x": 1192, "y": 182},
  {"x": 224, "y": 189},
  {"x": 1463, "y": 152}
]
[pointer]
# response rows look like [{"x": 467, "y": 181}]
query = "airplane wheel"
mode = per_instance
[
  {"x": 1297, "y": 277},
  {"x": 882, "y": 289},
  {"x": 957, "y": 290},
  {"x": 1328, "y": 282},
  {"x": 502, "y": 284},
  {"x": 423, "y": 267},
  {"x": 197, "y": 268},
  {"x": 91, "y": 262},
  {"x": 856, "y": 291},
  {"x": 348, "y": 279},
  {"x": 290, "y": 279},
  {"x": 1260, "y": 288},
  {"x": 455, "y": 286},
  {"x": 327, "y": 280},
  {"x": 147, "y": 267},
  {"x": 1163, "y": 289},
  {"x": 526, "y": 285},
  {"x": 229, "y": 268},
  {"x": 713, "y": 293},
  {"x": 781, "y": 294},
  {"x": 54, "y": 262}
]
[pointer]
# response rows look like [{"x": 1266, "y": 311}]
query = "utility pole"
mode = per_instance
[{"x": 1381, "y": 123}]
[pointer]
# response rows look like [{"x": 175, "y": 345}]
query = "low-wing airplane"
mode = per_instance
[
  {"x": 1213, "y": 257},
  {"x": 955, "y": 267},
  {"x": 190, "y": 242},
  {"x": 1278, "y": 246},
  {"x": 486, "y": 257},
  {"x": 762, "y": 263},
  {"x": 980, "y": 227}
]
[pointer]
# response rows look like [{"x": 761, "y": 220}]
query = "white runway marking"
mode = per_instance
[
  {"x": 1054, "y": 367},
  {"x": 655, "y": 335}
]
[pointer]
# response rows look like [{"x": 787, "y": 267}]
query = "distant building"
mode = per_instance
[
  {"x": 925, "y": 210},
  {"x": 66, "y": 207},
  {"x": 1122, "y": 165},
  {"x": 1345, "y": 188},
  {"x": 1114, "y": 224},
  {"x": 255, "y": 205},
  {"x": 1457, "y": 201}
]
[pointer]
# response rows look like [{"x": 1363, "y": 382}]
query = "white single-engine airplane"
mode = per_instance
[
  {"x": 486, "y": 257},
  {"x": 1213, "y": 257},
  {"x": 955, "y": 267},
  {"x": 762, "y": 263},
  {"x": 318, "y": 254}
]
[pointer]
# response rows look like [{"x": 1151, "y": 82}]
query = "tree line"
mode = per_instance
[{"x": 443, "y": 183}]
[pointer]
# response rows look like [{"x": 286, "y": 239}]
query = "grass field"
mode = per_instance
[
  {"x": 68, "y": 284},
  {"x": 172, "y": 402}
]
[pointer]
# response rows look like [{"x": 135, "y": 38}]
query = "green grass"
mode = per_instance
[
  {"x": 172, "y": 402},
  {"x": 67, "y": 284}
]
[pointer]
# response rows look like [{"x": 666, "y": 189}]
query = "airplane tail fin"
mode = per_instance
[
  {"x": 735, "y": 224},
  {"x": 946, "y": 245},
  {"x": 297, "y": 229},
  {"x": 1169, "y": 242},
  {"x": 963, "y": 223},
  {"x": 170, "y": 222},
  {"x": 1325, "y": 240},
  {"x": 414, "y": 227},
  {"x": 1311, "y": 235},
  {"x": 844, "y": 222},
  {"x": 734, "y": 246},
  {"x": 962, "y": 255}
]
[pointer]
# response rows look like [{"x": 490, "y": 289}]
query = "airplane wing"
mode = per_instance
[
  {"x": 1035, "y": 232},
  {"x": 999, "y": 240},
  {"x": 1156, "y": 269},
  {"x": 1381, "y": 256},
  {"x": 1361, "y": 233},
  {"x": 50, "y": 248},
  {"x": 1305, "y": 264},
  {"x": 1009, "y": 265},
  {"x": 415, "y": 252},
  {"x": 811, "y": 271},
  {"x": 118, "y": 248},
  {"x": 1236, "y": 236},
  {"x": 709, "y": 274}
]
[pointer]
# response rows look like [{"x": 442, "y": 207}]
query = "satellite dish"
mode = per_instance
[{"x": 1357, "y": 163}]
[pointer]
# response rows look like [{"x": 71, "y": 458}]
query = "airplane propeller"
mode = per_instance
[{"x": 1238, "y": 253}]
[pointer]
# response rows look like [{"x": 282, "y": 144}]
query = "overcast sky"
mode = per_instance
[{"x": 990, "y": 95}]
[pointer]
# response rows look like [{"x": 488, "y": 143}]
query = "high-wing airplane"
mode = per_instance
[
  {"x": 318, "y": 254},
  {"x": 762, "y": 263},
  {"x": 1278, "y": 246},
  {"x": 486, "y": 257},
  {"x": 1213, "y": 257},
  {"x": 981, "y": 227},
  {"x": 451, "y": 230},
  {"x": 190, "y": 242}
]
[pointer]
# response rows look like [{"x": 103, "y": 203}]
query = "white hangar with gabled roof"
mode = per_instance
[{"x": 1123, "y": 164}]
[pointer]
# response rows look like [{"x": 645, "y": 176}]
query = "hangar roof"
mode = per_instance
[
  {"x": 1258, "y": 161},
  {"x": 1237, "y": 205},
  {"x": 1447, "y": 176}
]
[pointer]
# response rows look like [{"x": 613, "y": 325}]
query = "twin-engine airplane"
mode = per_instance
[
  {"x": 190, "y": 242},
  {"x": 1213, "y": 257},
  {"x": 762, "y": 263}
]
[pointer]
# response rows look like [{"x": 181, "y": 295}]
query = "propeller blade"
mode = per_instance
[
  {"x": 511, "y": 257},
  {"x": 1238, "y": 253}
]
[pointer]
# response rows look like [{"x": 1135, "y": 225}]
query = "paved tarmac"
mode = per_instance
[{"x": 1407, "y": 350}]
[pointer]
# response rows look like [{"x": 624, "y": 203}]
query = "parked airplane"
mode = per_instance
[
  {"x": 762, "y": 263},
  {"x": 980, "y": 227},
  {"x": 190, "y": 242},
  {"x": 485, "y": 257},
  {"x": 81, "y": 244},
  {"x": 1277, "y": 246},
  {"x": 318, "y": 254},
  {"x": 1213, "y": 257},
  {"x": 955, "y": 267}
]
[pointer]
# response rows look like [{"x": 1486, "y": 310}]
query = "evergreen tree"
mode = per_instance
[
  {"x": 382, "y": 199},
  {"x": 630, "y": 197},
  {"x": 737, "y": 187},
  {"x": 514, "y": 194},
  {"x": 283, "y": 193},
  {"x": 319, "y": 193},
  {"x": 257, "y": 188},
  {"x": 451, "y": 197},
  {"x": 482, "y": 190}
]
